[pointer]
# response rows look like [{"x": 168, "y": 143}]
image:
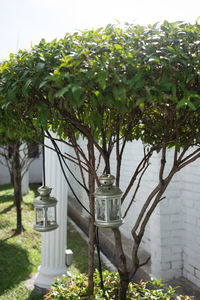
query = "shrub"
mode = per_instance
[{"x": 76, "y": 288}]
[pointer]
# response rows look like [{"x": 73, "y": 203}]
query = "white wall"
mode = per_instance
[
  {"x": 35, "y": 172},
  {"x": 191, "y": 222},
  {"x": 4, "y": 175},
  {"x": 172, "y": 236}
]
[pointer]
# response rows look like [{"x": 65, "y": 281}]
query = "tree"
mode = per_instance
[
  {"x": 111, "y": 86},
  {"x": 15, "y": 154}
]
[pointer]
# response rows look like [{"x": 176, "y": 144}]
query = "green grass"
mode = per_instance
[
  {"x": 20, "y": 254},
  {"x": 80, "y": 250}
]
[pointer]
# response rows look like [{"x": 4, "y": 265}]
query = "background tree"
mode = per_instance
[
  {"x": 15, "y": 154},
  {"x": 112, "y": 86}
]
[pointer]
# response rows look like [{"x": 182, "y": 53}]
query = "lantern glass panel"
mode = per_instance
[
  {"x": 114, "y": 209},
  {"x": 100, "y": 209},
  {"x": 51, "y": 215},
  {"x": 39, "y": 216}
]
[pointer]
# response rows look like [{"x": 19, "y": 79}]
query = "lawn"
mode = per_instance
[{"x": 20, "y": 254}]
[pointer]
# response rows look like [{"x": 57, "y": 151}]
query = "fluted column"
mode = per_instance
[{"x": 54, "y": 242}]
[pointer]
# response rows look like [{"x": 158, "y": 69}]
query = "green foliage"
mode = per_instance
[
  {"x": 76, "y": 288},
  {"x": 134, "y": 78}
]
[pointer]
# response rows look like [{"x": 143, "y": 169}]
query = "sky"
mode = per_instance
[{"x": 26, "y": 21}]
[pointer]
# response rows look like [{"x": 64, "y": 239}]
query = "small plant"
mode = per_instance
[{"x": 76, "y": 287}]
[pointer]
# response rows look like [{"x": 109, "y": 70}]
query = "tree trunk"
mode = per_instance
[
  {"x": 91, "y": 222},
  {"x": 122, "y": 265},
  {"x": 11, "y": 177},
  {"x": 124, "y": 282},
  {"x": 17, "y": 186}
]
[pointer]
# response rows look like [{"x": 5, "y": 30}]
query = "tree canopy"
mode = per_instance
[{"x": 93, "y": 82}]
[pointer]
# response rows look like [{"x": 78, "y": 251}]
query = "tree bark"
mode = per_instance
[
  {"x": 122, "y": 266},
  {"x": 17, "y": 186},
  {"x": 91, "y": 222},
  {"x": 124, "y": 282}
]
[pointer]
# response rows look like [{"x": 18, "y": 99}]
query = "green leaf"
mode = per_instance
[
  {"x": 181, "y": 103},
  {"x": 191, "y": 105},
  {"x": 171, "y": 48},
  {"x": 42, "y": 84},
  {"x": 61, "y": 92},
  {"x": 102, "y": 82},
  {"x": 43, "y": 116},
  {"x": 76, "y": 91},
  {"x": 40, "y": 66},
  {"x": 11, "y": 56},
  {"x": 25, "y": 87},
  {"x": 118, "y": 47}
]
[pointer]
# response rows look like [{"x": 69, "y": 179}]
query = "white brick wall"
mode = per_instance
[
  {"x": 172, "y": 236},
  {"x": 191, "y": 222}
]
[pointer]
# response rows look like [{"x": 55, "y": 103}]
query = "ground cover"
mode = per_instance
[{"x": 20, "y": 254}]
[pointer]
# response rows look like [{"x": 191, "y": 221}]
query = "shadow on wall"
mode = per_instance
[{"x": 14, "y": 266}]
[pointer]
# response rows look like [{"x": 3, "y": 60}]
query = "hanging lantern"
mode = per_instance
[
  {"x": 45, "y": 210},
  {"x": 108, "y": 203}
]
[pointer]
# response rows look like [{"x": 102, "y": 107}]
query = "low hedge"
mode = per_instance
[{"x": 76, "y": 288}]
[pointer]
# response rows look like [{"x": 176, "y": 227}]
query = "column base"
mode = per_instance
[{"x": 46, "y": 276}]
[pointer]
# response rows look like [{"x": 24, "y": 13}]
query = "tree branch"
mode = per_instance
[
  {"x": 136, "y": 190},
  {"x": 139, "y": 168}
]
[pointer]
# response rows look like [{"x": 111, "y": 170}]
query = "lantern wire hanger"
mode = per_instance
[
  {"x": 60, "y": 156},
  {"x": 44, "y": 204},
  {"x": 43, "y": 158}
]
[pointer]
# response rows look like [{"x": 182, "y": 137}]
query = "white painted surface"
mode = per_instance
[
  {"x": 35, "y": 172},
  {"x": 25, "y": 183},
  {"x": 54, "y": 242},
  {"x": 4, "y": 175}
]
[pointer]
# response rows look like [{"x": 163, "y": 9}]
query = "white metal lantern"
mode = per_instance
[
  {"x": 45, "y": 210},
  {"x": 108, "y": 203}
]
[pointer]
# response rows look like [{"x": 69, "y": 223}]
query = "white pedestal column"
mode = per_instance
[
  {"x": 25, "y": 183},
  {"x": 54, "y": 242}
]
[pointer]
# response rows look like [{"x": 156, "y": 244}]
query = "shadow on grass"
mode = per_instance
[
  {"x": 35, "y": 296},
  {"x": 7, "y": 209},
  {"x": 14, "y": 266},
  {"x": 6, "y": 198},
  {"x": 33, "y": 187}
]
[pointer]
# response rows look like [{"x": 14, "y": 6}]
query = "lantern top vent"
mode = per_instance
[
  {"x": 107, "y": 179},
  {"x": 107, "y": 190},
  {"x": 44, "y": 199},
  {"x": 44, "y": 191}
]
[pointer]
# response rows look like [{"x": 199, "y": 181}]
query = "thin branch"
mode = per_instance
[
  {"x": 99, "y": 161},
  {"x": 189, "y": 156},
  {"x": 74, "y": 161},
  {"x": 145, "y": 262},
  {"x": 186, "y": 147},
  {"x": 175, "y": 156},
  {"x": 139, "y": 169},
  {"x": 189, "y": 161},
  {"x": 136, "y": 190},
  {"x": 144, "y": 208},
  {"x": 73, "y": 158},
  {"x": 58, "y": 140},
  {"x": 79, "y": 162},
  {"x": 163, "y": 162}
]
